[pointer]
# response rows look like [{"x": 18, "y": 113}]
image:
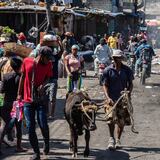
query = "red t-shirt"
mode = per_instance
[{"x": 42, "y": 72}]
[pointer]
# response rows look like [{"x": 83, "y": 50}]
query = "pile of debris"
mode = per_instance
[
  {"x": 4, "y": 3},
  {"x": 6, "y": 33},
  {"x": 41, "y": 3}
]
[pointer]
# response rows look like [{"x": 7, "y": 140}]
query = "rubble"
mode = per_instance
[
  {"x": 5, "y": 33},
  {"x": 16, "y": 3}
]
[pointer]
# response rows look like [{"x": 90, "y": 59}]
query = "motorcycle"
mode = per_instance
[
  {"x": 102, "y": 65},
  {"x": 145, "y": 69},
  {"x": 131, "y": 60}
]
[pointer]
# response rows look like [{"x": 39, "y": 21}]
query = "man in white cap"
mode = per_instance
[
  {"x": 116, "y": 78},
  {"x": 54, "y": 43}
]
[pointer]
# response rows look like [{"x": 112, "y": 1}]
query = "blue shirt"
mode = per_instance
[
  {"x": 117, "y": 81},
  {"x": 138, "y": 51}
]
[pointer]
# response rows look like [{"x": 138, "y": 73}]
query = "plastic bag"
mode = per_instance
[{"x": 17, "y": 110}]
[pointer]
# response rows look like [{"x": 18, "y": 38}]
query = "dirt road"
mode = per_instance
[{"x": 144, "y": 146}]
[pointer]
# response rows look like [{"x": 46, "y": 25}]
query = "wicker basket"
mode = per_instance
[{"x": 19, "y": 50}]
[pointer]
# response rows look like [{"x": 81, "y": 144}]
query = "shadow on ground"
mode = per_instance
[{"x": 143, "y": 150}]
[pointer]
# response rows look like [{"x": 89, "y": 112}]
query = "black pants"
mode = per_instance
[
  {"x": 5, "y": 115},
  {"x": 18, "y": 124}
]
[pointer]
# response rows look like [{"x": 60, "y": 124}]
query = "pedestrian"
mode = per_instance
[
  {"x": 9, "y": 87},
  {"x": 106, "y": 38},
  {"x": 132, "y": 44},
  {"x": 103, "y": 55},
  {"x": 112, "y": 41},
  {"x": 120, "y": 41},
  {"x": 116, "y": 78},
  {"x": 54, "y": 43},
  {"x": 74, "y": 65},
  {"x": 66, "y": 43},
  {"x": 35, "y": 75},
  {"x": 149, "y": 52},
  {"x": 22, "y": 39}
]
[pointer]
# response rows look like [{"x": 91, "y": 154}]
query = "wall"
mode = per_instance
[{"x": 101, "y": 4}]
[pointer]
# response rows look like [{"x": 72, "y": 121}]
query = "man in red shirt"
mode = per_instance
[{"x": 35, "y": 74}]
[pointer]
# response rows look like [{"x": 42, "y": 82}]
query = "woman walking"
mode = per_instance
[{"x": 74, "y": 64}]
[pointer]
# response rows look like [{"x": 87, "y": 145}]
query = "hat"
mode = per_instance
[
  {"x": 21, "y": 37},
  {"x": 75, "y": 46},
  {"x": 49, "y": 38},
  {"x": 117, "y": 53},
  {"x": 46, "y": 51}
]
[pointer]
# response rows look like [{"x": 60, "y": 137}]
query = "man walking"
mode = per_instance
[
  {"x": 9, "y": 87},
  {"x": 103, "y": 54},
  {"x": 113, "y": 41},
  {"x": 54, "y": 43},
  {"x": 35, "y": 74},
  {"x": 147, "y": 50},
  {"x": 117, "y": 77}
]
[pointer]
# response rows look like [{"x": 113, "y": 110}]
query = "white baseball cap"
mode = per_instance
[
  {"x": 49, "y": 37},
  {"x": 117, "y": 53}
]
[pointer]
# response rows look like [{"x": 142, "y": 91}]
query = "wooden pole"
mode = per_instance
[
  {"x": 49, "y": 17},
  {"x": 37, "y": 27}
]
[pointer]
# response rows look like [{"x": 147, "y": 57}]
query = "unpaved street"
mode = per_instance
[{"x": 144, "y": 146}]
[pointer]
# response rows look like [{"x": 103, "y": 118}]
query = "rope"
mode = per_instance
[
  {"x": 84, "y": 110},
  {"x": 114, "y": 106},
  {"x": 129, "y": 108}
]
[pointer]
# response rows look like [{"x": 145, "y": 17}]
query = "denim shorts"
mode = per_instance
[{"x": 51, "y": 89}]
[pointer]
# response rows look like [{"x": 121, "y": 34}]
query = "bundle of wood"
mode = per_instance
[{"x": 16, "y": 49}]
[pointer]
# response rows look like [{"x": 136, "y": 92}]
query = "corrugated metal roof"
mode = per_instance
[{"x": 58, "y": 9}]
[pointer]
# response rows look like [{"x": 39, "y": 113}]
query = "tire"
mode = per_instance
[{"x": 143, "y": 76}]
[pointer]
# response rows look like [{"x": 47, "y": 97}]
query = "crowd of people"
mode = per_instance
[{"x": 33, "y": 81}]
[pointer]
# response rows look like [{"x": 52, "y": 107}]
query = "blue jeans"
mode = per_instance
[
  {"x": 51, "y": 92},
  {"x": 137, "y": 66},
  {"x": 30, "y": 111}
]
